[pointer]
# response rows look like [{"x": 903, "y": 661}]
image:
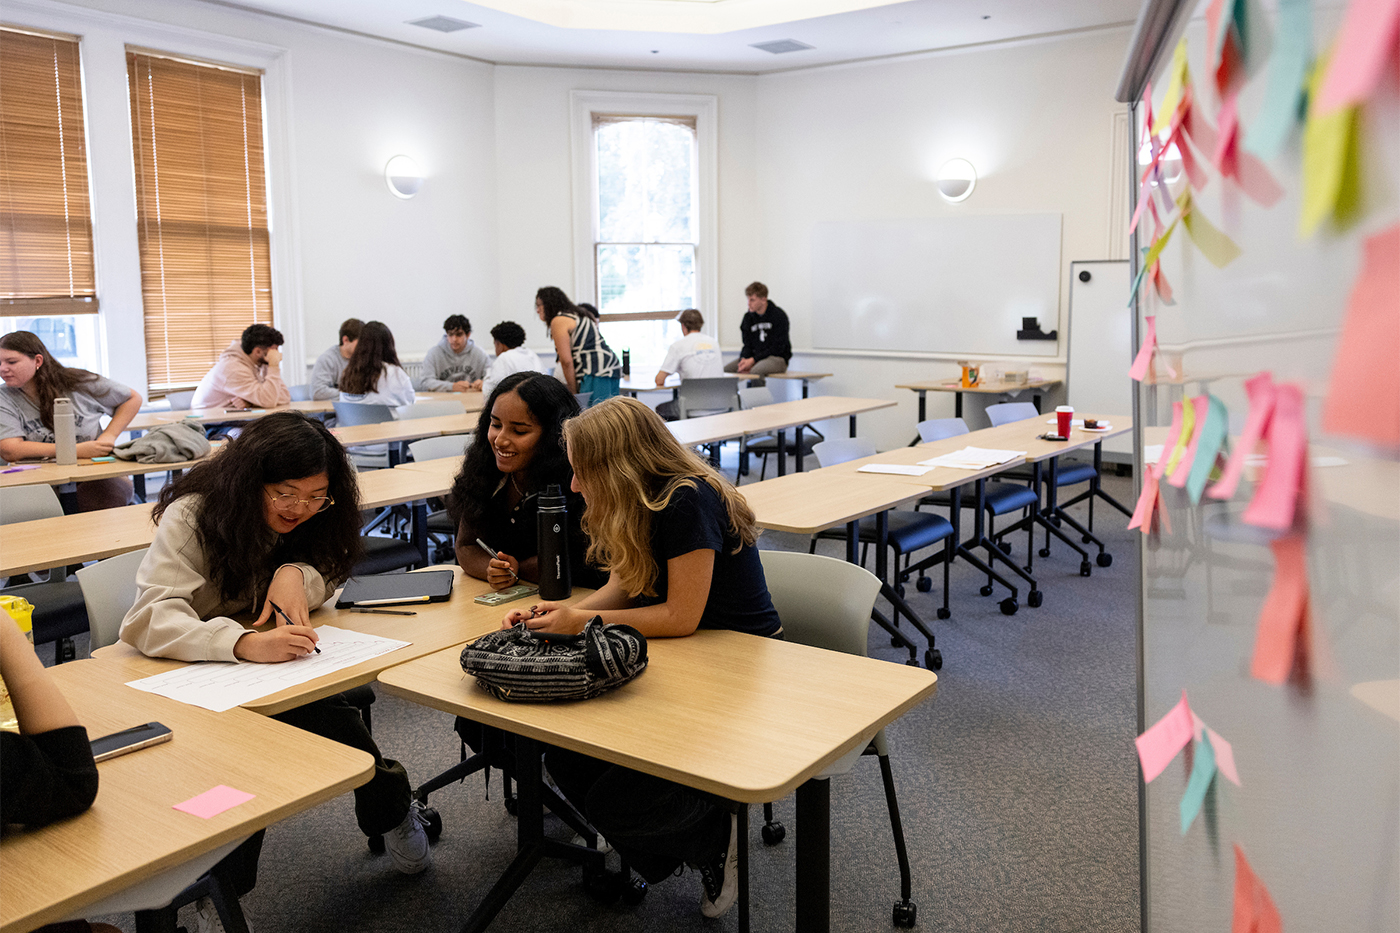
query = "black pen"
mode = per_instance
[
  {"x": 495, "y": 556},
  {"x": 278, "y": 609}
]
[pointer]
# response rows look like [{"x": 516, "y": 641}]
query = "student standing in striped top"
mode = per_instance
[{"x": 587, "y": 362}]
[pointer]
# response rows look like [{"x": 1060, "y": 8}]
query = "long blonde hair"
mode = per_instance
[{"x": 631, "y": 465}]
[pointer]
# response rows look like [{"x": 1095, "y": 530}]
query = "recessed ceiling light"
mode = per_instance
[
  {"x": 779, "y": 46},
  {"x": 444, "y": 24}
]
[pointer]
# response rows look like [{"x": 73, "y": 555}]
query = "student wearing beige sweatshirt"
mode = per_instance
[{"x": 247, "y": 374}]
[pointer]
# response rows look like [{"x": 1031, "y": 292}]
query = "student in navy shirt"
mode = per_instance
[{"x": 679, "y": 544}]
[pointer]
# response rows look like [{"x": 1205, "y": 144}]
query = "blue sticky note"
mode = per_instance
[
  {"x": 104, "y": 459},
  {"x": 1288, "y": 68},
  {"x": 1207, "y": 447},
  {"x": 1202, "y": 773}
]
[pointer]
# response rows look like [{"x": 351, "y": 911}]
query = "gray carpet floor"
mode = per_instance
[{"x": 1017, "y": 784}]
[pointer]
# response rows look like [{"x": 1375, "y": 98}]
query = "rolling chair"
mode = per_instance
[
  {"x": 59, "y": 615},
  {"x": 697, "y": 397},
  {"x": 441, "y": 530},
  {"x": 584, "y": 399},
  {"x": 179, "y": 401},
  {"x": 432, "y": 409},
  {"x": 826, "y": 603},
  {"x": 763, "y": 446},
  {"x": 301, "y": 393}
]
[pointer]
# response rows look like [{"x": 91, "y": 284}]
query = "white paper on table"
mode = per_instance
[
  {"x": 973, "y": 458},
  {"x": 1260, "y": 461},
  {"x": 1073, "y": 422},
  {"x": 895, "y": 468},
  {"x": 1152, "y": 453},
  {"x": 220, "y": 686}
]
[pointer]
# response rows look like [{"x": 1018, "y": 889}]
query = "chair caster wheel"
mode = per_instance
[
  {"x": 512, "y": 805},
  {"x": 924, "y": 584},
  {"x": 773, "y": 833},
  {"x": 1055, "y": 521},
  {"x": 905, "y": 914},
  {"x": 899, "y": 588},
  {"x": 986, "y": 590},
  {"x": 1085, "y": 568},
  {"x": 1009, "y": 606},
  {"x": 1005, "y": 547},
  {"x": 933, "y": 659},
  {"x": 1044, "y": 552},
  {"x": 633, "y": 891},
  {"x": 376, "y": 844},
  {"x": 944, "y": 612},
  {"x": 1105, "y": 559},
  {"x": 434, "y": 827},
  {"x": 1034, "y": 598},
  {"x": 1085, "y": 538}
]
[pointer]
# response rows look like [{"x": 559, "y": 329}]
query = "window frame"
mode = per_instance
[{"x": 704, "y": 109}]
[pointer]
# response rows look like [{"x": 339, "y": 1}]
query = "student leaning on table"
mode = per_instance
[
  {"x": 33, "y": 379},
  {"x": 273, "y": 519},
  {"x": 586, "y": 362},
  {"x": 246, "y": 374},
  {"x": 679, "y": 542},
  {"x": 325, "y": 375}
]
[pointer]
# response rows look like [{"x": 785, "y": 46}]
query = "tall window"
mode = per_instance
[
  {"x": 201, "y": 211},
  {"x": 47, "y": 279},
  {"x": 646, "y": 230}
]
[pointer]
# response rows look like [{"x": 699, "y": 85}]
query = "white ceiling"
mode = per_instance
[{"x": 701, "y": 34}]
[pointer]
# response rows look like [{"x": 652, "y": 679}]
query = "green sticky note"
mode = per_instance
[
  {"x": 1207, "y": 447},
  {"x": 1202, "y": 773},
  {"x": 104, "y": 459},
  {"x": 1288, "y": 71}
]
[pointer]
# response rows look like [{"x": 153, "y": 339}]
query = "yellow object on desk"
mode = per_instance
[{"x": 22, "y": 611}]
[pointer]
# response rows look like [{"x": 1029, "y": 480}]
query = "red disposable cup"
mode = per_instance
[{"x": 1064, "y": 414}]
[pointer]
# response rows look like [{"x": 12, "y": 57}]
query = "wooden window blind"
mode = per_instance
[
  {"x": 46, "y": 264},
  {"x": 201, "y": 211}
]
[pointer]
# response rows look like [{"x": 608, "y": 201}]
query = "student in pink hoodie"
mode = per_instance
[{"x": 247, "y": 374}]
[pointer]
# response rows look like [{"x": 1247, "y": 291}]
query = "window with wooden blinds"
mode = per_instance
[
  {"x": 46, "y": 264},
  {"x": 201, "y": 211}
]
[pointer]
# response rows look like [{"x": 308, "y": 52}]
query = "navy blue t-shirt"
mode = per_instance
[{"x": 696, "y": 519}]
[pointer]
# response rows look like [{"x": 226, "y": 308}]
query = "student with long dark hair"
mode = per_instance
[
  {"x": 373, "y": 374},
  {"x": 33, "y": 379},
  {"x": 274, "y": 518},
  {"x": 587, "y": 362}
]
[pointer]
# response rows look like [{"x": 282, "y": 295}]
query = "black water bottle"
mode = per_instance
[{"x": 552, "y": 534}]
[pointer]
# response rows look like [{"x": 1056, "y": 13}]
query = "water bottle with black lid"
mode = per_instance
[{"x": 552, "y": 535}]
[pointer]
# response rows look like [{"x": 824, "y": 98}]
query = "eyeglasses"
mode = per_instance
[{"x": 288, "y": 503}]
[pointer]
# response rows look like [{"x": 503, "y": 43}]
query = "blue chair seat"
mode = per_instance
[
  {"x": 909, "y": 531},
  {"x": 1010, "y": 497},
  {"x": 1074, "y": 473}
]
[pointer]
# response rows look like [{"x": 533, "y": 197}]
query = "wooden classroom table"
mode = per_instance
[
  {"x": 709, "y": 429},
  {"x": 471, "y": 401},
  {"x": 630, "y": 386},
  {"x": 52, "y": 474},
  {"x": 410, "y": 429},
  {"x": 747, "y": 718},
  {"x": 132, "y": 833},
  {"x": 984, "y": 388}
]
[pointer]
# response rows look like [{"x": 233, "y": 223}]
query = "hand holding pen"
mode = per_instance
[
  {"x": 499, "y": 566},
  {"x": 278, "y": 609}
]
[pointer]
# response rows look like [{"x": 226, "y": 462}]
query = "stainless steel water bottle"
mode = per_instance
[
  {"x": 552, "y": 537},
  {"x": 65, "y": 432}
]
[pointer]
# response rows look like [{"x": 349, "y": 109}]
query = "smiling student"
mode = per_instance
[{"x": 455, "y": 364}]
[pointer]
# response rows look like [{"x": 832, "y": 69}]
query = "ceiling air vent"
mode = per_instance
[
  {"x": 779, "y": 46},
  {"x": 443, "y": 24}
]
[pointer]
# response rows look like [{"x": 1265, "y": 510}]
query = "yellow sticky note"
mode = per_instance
[
  {"x": 1172, "y": 98},
  {"x": 1214, "y": 245},
  {"x": 1188, "y": 430},
  {"x": 1159, "y": 244},
  {"x": 1331, "y": 161}
]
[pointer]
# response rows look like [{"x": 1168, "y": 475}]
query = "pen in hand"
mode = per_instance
[
  {"x": 278, "y": 609},
  {"x": 494, "y": 556}
]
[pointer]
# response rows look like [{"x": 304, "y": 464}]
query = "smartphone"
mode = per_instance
[
  {"x": 129, "y": 740},
  {"x": 508, "y": 595}
]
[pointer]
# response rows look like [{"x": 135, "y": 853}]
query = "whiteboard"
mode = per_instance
[
  {"x": 944, "y": 285},
  {"x": 1101, "y": 346}
]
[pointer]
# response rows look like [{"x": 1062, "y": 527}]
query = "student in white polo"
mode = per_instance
[{"x": 694, "y": 356}]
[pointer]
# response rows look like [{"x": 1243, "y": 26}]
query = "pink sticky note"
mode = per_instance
[
  {"x": 214, "y": 801},
  {"x": 1370, "y": 343},
  {"x": 1201, "y": 404},
  {"x": 1365, "y": 44},
  {"x": 1194, "y": 173},
  {"x": 1254, "y": 909},
  {"x": 1159, "y": 744},
  {"x": 1173, "y": 435},
  {"x": 1147, "y": 502},
  {"x": 1262, "y": 395},
  {"x": 1227, "y": 145},
  {"x": 1144, "y": 356},
  {"x": 1281, "y": 639},
  {"x": 1224, "y": 752},
  {"x": 1275, "y": 501}
]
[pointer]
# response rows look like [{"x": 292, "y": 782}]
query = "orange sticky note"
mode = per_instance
[
  {"x": 1262, "y": 394},
  {"x": 1275, "y": 501},
  {"x": 1365, "y": 45},
  {"x": 1254, "y": 908},
  {"x": 1370, "y": 343},
  {"x": 1280, "y": 642},
  {"x": 1159, "y": 744}
]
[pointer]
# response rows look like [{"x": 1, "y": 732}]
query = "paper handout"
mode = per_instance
[
  {"x": 1370, "y": 343},
  {"x": 896, "y": 469},
  {"x": 973, "y": 458}
]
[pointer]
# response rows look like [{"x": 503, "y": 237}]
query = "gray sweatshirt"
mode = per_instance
[
  {"x": 442, "y": 367},
  {"x": 325, "y": 375}
]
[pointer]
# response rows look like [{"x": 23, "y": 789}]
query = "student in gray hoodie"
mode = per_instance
[{"x": 455, "y": 364}]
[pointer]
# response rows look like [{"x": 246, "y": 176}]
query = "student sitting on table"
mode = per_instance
[
  {"x": 455, "y": 364},
  {"x": 694, "y": 356},
  {"x": 46, "y": 768},
  {"x": 33, "y": 379},
  {"x": 586, "y": 362},
  {"x": 274, "y": 519},
  {"x": 325, "y": 375},
  {"x": 679, "y": 542},
  {"x": 373, "y": 375},
  {"x": 511, "y": 355},
  {"x": 764, "y": 329},
  {"x": 247, "y": 374}
]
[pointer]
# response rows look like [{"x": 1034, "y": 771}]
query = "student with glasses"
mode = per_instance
[{"x": 267, "y": 530}]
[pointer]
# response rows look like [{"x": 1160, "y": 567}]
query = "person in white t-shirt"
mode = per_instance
[
  {"x": 511, "y": 356},
  {"x": 694, "y": 356}
]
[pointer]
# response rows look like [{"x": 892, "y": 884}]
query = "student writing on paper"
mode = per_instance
[
  {"x": 275, "y": 518},
  {"x": 586, "y": 362},
  {"x": 33, "y": 379},
  {"x": 680, "y": 546}
]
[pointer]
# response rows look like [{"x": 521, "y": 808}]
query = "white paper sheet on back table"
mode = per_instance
[
  {"x": 220, "y": 685},
  {"x": 973, "y": 458}
]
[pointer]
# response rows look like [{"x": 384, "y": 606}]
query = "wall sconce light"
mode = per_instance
[
  {"x": 956, "y": 179},
  {"x": 403, "y": 177}
]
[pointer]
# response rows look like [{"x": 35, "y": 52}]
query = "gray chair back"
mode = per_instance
[
  {"x": 1007, "y": 412},
  {"x": 109, "y": 590},
  {"x": 584, "y": 399},
  {"x": 755, "y": 398},
  {"x": 301, "y": 393},
  {"x": 179, "y": 401},
  {"x": 936, "y": 429},
  {"x": 432, "y": 409},
  {"x": 707, "y": 396},
  {"x": 435, "y": 448},
  {"x": 348, "y": 413},
  {"x": 841, "y": 449},
  {"x": 27, "y": 503}
]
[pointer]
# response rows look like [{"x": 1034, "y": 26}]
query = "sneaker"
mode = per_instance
[
  {"x": 408, "y": 842},
  {"x": 720, "y": 876},
  {"x": 207, "y": 918}
]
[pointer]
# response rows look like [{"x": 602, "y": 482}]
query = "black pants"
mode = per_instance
[
  {"x": 654, "y": 823},
  {"x": 380, "y": 805}
]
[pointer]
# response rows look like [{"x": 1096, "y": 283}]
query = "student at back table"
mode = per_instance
[
  {"x": 455, "y": 364},
  {"x": 512, "y": 356},
  {"x": 247, "y": 374},
  {"x": 767, "y": 347},
  {"x": 325, "y": 375},
  {"x": 694, "y": 356}
]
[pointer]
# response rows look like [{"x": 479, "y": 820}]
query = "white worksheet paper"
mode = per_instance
[
  {"x": 219, "y": 685},
  {"x": 895, "y": 468},
  {"x": 973, "y": 458}
]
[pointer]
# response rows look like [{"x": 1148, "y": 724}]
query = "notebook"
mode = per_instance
[{"x": 393, "y": 589}]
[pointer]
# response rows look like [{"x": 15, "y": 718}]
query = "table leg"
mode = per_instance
[
  {"x": 68, "y": 497},
  {"x": 814, "y": 857},
  {"x": 138, "y": 483},
  {"x": 419, "y": 533},
  {"x": 782, "y": 452},
  {"x": 1035, "y": 400},
  {"x": 923, "y": 416},
  {"x": 979, "y": 539},
  {"x": 798, "y": 452},
  {"x": 897, "y": 603},
  {"x": 853, "y": 425},
  {"x": 957, "y": 404}
]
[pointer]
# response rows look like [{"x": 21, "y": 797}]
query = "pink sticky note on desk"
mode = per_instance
[
  {"x": 1159, "y": 744},
  {"x": 214, "y": 801}
]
